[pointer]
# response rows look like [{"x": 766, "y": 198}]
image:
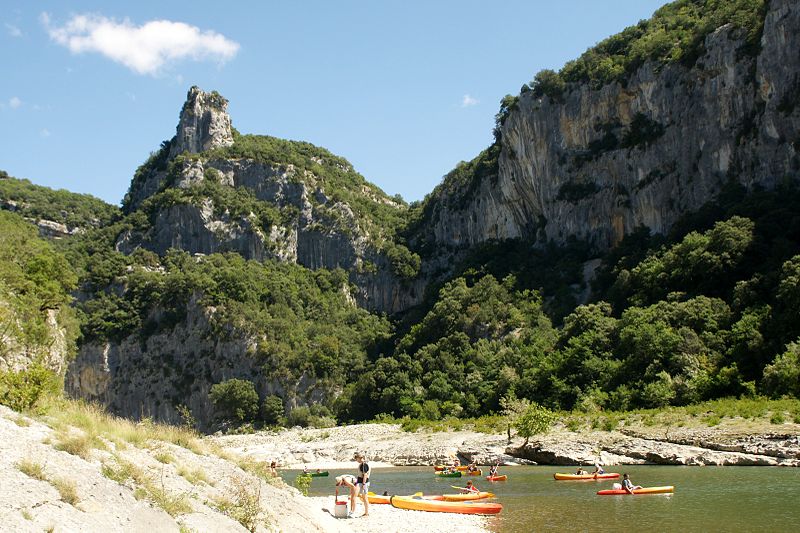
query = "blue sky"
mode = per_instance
[{"x": 403, "y": 89}]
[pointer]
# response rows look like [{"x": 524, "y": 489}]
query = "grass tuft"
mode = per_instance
[
  {"x": 80, "y": 445},
  {"x": 244, "y": 504},
  {"x": 164, "y": 457},
  {"x": 21, "y": 421},
  {"x": 172, "y": 504},
  {"x": 95, "y": 421},
  {"x": 67, "y": 489},
  {"x": 193, "y": 476},
  {"x": 32, "y": 469}
]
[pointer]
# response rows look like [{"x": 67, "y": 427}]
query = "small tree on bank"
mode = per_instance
[
  {"x": 235, "y": 399},
  {"x": 513, "y": 409},
  {"x": 535, "y": 420}
]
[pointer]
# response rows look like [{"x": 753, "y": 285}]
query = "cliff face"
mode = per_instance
[
  {"x": 17, "y": 353},
  {"x": 603, "y": 162},
  {"x": 314, "y": 230},
  {"x": 151, "y": 377}
]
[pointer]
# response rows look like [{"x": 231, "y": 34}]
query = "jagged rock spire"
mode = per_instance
[{"x": 204, "y": 123}]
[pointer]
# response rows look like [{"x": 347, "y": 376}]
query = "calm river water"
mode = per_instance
[{"x": 705, "y": 498}]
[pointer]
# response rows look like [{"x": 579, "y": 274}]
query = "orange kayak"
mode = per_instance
[
  {"x": 573, "y": 477},
  {"x": 645, "y": 490},
  {"x": 497, "y": 478},
  {"x": 467, "y": 496},
  {"x": 475, "y": 473},
  {"x": 414, "y": 503}
]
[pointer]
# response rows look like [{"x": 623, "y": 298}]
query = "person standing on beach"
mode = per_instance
[{"x": 362, "y": 481}]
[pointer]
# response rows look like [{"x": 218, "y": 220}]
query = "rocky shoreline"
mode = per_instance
[{"x": 388, "y": 445}]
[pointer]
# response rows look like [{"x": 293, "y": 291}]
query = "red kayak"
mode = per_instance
[
  {"x": 645, "y": 490},
  {"x": 573, "y": 477},
  {"x": 497, "y": 478}
]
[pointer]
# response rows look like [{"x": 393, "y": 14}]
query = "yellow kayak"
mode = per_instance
[
  {"x": 415, "y": 503},
  {"x": 467, "y": 496},
  {"x": 377, "y": 498}
]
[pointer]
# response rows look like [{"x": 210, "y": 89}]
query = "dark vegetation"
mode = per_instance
[
  {"x": 34, "y": 279},
  {"x": 68, "y": 208},
  {"x": 708, "y": 311},
  {"x": 674, "y": 34}
]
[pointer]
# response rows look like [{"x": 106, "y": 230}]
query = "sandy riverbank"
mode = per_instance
[{"x": 387, "y": 518}]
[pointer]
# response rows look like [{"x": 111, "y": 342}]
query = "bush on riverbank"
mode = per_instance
[{"x": 709, "y": 414}]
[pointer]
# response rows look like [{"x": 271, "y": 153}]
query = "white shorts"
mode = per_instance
[{"x": 362, "y": 488}]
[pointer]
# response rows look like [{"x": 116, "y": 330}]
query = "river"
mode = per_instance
[{"x": 705, "y": 498}]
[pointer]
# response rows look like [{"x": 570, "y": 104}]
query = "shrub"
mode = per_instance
[
  {"x": 272, "y": 410},
  {"x": 302, "y": 483},
  {"x": 783, "y": 375},
  {"x": 300, "y": 416},
  {"x": 548, "y": 82},
  {"x": 535, "y": 420},
  {"x": 26, "y": 389},
  {"x": 642, "y": 131},
  {"x": 430, "y": 410},
  {"x": 235, "y": 399}
]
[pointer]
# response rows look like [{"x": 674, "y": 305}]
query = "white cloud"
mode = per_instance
[
  {"x": 44, "y": 133},
  {"x": 469, "y": 101},
  {"x": 14, "y": 102},
  {"x": 13, "y": 30},
  {"x": 144, "y": 49}
]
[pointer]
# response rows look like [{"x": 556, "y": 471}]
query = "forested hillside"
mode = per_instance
[
  {"x": 38, "y": 328},
  {"x": 265, "y": 281},
  {"x": 64, "y": 207}
]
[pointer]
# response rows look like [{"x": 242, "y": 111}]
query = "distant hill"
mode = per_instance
[{"x": 71, "y": 210}]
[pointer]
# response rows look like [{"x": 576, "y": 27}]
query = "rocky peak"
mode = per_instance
[{"x": 204, "y": 123}]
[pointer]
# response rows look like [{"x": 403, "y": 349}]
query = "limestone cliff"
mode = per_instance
[
  {"x": 600, "y": 162},
  {"x": 18, "y": 353},
  {"x": 151, "y": 377},
  {"x": 310, "y": 223}
]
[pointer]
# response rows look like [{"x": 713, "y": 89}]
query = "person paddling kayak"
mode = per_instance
[
  {"x": 598, "y": 469},
  {"x": 493, "y": 469},
  {"x": 470, "y": 488},
  {"x": 627, "y": 485}
]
